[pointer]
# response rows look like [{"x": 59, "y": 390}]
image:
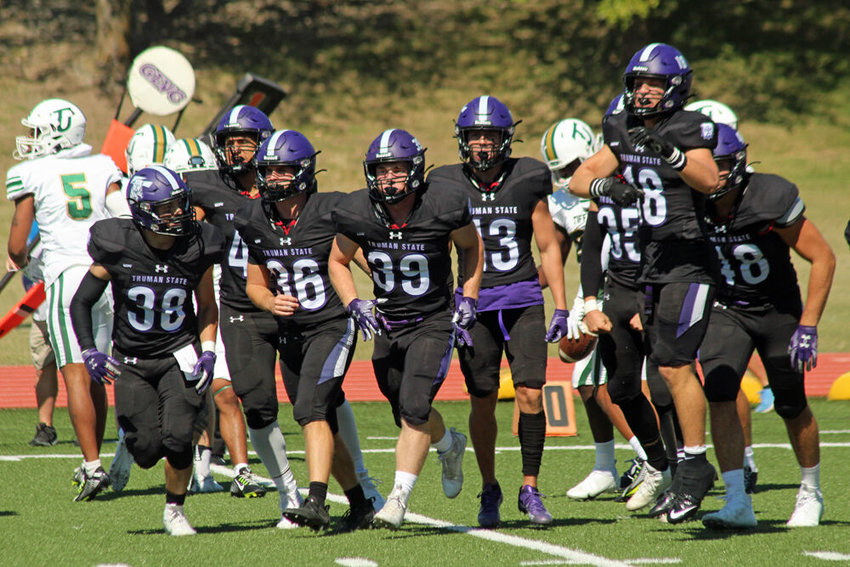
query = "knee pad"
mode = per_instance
[
  {"x": 260, "y": 411},
  {"x": 788, "y": 406},
  {"x": 145, "y": 454},
  {"x": 179, "y": 459},
  {"x": 416, "y": 412},
  {"x": 622, "y": 392}
]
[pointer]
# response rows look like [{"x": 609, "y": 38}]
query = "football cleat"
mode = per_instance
[
  {"x": 452, "y": 461},
  {"x": 370, "y": 491},
  {"x": 204, "y": 484},
  {"x": 735, "y": 515},
  {"x": 293, "y": 500},
  {"x": 246, "y": 485},
  {"x": 78, "y": 477},
  {"x": 491, "y": 500},
  {"x": 357, "y": 519},
  {"x": 391, "y": 515},
  {"x": 594, "y": 484},
  {"x": 766, "y": 398},
  {"x": 651, "y": 484},
  {"x": 311, "y": 514},
  {"x": 808, "y": 510},
  {"x": 751, "y": 477},
  {"x": 45, "y": 436},
  {"x": 122, "y": 464},
  {"x": 697, "y": 479},
  {"x": 529, "y": 502},
  {"x": 175, "y": 521},
  {"x": 631, "y": 479},
  {"x": 91, "y": 485}
]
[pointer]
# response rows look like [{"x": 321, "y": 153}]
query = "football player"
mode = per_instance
[
  {"x": 163, "y": 352},
  {"x": 66, "y": 190},
  {"x": 289, "y": 236},
  {"x": 664, "y": 156},
  {"x": 148, "y": 146},
  {"x": 405, "y": 228},
  {"x": 509, "y": 207},
  {"x": 564, "y": 146},
  {"x": 754, "y": 219}
]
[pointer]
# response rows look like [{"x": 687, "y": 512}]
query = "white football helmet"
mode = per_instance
[
  {"x": 55, "y": 124},
  {"x": 189, "y": 154},
  {"x": 148, "y": 147},
  {"x": 564, "y": 143},
  {"x": 717, "y": 111}
]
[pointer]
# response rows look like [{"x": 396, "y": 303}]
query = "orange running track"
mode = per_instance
[{"x": 17, "y": 383}]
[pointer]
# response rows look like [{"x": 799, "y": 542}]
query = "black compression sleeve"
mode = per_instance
[
  {"x": 90, "y": 290},
  {"x": 591, "y": 256}
]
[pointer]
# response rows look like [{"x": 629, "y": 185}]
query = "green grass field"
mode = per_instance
[{"x": 43, "y": 526}]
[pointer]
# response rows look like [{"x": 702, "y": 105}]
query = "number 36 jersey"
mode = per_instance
[
  {"x": 152, "y": 289},
  {"x": 411, "y": 265},
  {"x": 298, "y": 260}
]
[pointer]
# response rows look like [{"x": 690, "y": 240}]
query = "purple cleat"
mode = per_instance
[
  {"x": 531, "y": 504},
  {"x": 491, "y": 499}
]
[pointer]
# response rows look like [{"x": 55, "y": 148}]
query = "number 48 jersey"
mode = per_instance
[{"x": 152, "y": 289}]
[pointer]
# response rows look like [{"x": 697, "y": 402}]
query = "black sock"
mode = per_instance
[
  {"x": 177, "y": 499},
  {"x": 319, "y": 492},
  {"x": 532, "y": 437},
  {"x": 356, "y": 498}
]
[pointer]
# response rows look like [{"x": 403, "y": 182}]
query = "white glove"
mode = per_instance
[{"x": 575, "y": 326}]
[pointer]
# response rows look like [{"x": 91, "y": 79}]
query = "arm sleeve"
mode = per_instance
[
  {"x": 591, "y": 256},
  {"x": 90, "y": 290}
]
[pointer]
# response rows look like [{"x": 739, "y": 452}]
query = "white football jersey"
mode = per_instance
[
  {"x": 69, "y": 192},
  {"x": 568, "y": 211}
]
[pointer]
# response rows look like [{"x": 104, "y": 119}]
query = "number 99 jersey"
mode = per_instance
[
  {"x": 153, "y": 290},
  {"x": 411, "y": 265}
]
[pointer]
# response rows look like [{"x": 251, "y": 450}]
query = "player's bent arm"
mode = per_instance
[
  {"x": 19, "y": 231},
  {"x": 260, "y": 295},
  {"x": 342, "y": 253},
  {"x": 805, "y": 238},
  {"x": 550, "y": 252},
  {"x": 700, "y": 171},
  {"x": 88, "y": 293},
  {"x": 601, "y": 164},
  {"x": 207, "y": 307},
  {"x": 590, "y": 272},
  {"x": 116, "y": 202},
  {"x": 467, "y": 239}
]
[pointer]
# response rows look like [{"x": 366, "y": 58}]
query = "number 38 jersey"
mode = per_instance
[
  {"x": 152, "y": 289},
  {"x": 297, "y": 260},
  {"x": 411, "y": 265},
  {"x": 502, "y": 217},
  {"x": 755, "y": 263}
]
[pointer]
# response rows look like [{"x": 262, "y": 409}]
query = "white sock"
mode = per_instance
[
  {"x": 810, "y": 476},
  {"x": 202, "y": 461},
  {"x": 694, "y": 450},
  {"x": 404, "y": 483},
  {"x": 270, "y": 445},
  {"x": 750, "y": 459},
  {"x": 445, "y": 443},
  {"x": 638, "y": 448},
  {"x": 604, "y": 456},
  {"x": 240, "y": 467},
  {"x": 91, "y": 466},
  {"x": 734, "y": 482},
  {"x": 348, "y": 432}
]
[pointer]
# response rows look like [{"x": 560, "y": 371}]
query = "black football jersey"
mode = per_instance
[
  {"x": 153, "y": 290},
  {"x": 755, "y": 263},
  {"x": 220, "y": 203},
  {"x": 621, "y": 225},
  {"x": 297, "y": 259},
  {"x": 411, "y": 266},
  {"x": 670, "y": 208},
  {"x": 503, "y": 216}
]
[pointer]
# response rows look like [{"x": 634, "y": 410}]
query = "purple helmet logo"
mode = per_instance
[
  {"x": 287, "y": 148},
  {"x": 484, "y": 113},
  {"x": 658, "y": 61},
  {"x": 395, "y": 146},
  {"x": 245, "y": 120},
  {"x": 160, "y": 201},
  {"x": 731, "y": 147}
]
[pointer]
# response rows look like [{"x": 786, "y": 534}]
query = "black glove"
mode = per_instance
[
  {"x": 643, "y": 136},
  {"x": 621, "y": 193}
]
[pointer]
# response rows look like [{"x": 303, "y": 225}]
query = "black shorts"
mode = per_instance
[
  {"x": 313, "y": 363},
  {"x": 623, "y": 349},
  {"x": 733, "y": 334},
  {"x": 520, "y": 334},
  {"x": 411, "y": 363},
  {"x": 251, "y": 342},
  {"x": 157, "y": 409},
  {"x": 675, "y": 318}
]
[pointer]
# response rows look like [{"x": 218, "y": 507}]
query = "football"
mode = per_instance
[{"x": 573, "y": 350}]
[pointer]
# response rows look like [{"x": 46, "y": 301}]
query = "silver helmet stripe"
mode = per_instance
[
  {"x": 384, "y": 146},
  {"x": 272, "y": 144},
  {"x": 647, "y": 51},
  {"x": 172, "y": 178},
  {"x": 483, "y": 103},
  {"x": 234, "y": 115}
]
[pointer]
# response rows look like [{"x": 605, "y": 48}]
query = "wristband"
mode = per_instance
[
  {"x": 207, "y": 346},
  {"x": 599, "y": 187},
  {"x": 677, "y": 160},
  {"x": 590, "y": 305}
]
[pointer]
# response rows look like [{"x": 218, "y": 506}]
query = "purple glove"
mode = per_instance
[
  {"x": 361, "y": 311},
  {"x": 102, "y": 367},
  {"x": 557, "y": 326},
  {"x": 203, "y": 371},
  {"x": 803, "y": 348},
  {"x": 463, "y": 320}
]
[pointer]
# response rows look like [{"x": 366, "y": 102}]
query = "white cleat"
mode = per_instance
[
  {"x": 175, "y": 521},
  {"x": 293, "y": 500},
  {"x": 594, "y": 484},
  {"x": 122, "y": 463},
  {"x": 654, "y": 483},
  {"x": 204, "y": 484},
  {"x": 370, "y": 491},
  {"x": 809, "y": 508},
  {"x": 452, "y": 461},
  {"x": 391, "y": 515},
  {"x": 735, "y": 515}
]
